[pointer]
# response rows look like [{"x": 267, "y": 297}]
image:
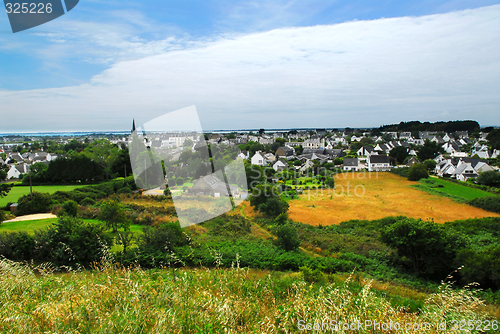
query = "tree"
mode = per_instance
[
  {"x": 5, "y": 188},
  {"x": 162, "y": 238},
  {"x": 113, "y": 214},
  {"x": 399, "y": 153},
  {"x": 417, "y": 172},
  {"x": 490, "y": 178},
  {"x": 494, "y": 138},
  {"x": 40, "y": 203},
  {"x": 262, "y": 193},
  {"x": 425, "y": 244},
  {"x": 429, "y": 150},
  {"x": 430, "y": 164},
  {"x": 274, "y": 207},
  {"x": 288, "y": 238},
  {"x": 330, "y": 182},
  {"x": 71, "y": 208}
]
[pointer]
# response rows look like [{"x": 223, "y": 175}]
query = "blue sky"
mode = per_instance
[{"x": 247, "y": 64}]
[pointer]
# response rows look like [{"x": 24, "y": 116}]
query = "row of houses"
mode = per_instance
[
  {"x": 460, "y": 168},
  {"x": 19, "y": 164}
]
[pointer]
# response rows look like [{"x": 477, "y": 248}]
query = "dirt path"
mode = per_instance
[{"x": 32, "y": 217}]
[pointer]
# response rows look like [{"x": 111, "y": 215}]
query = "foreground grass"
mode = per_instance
[
  {"x": 450, "y": 189},
  {"x": 117, "y": 300},
  {"x": 368, "y": 196},
  {"x": 18, "y": 191}
]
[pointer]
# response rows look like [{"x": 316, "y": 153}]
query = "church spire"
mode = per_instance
[{"x": 133, "y": 126}]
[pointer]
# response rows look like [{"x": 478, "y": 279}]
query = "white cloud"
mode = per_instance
[{"x": 363, "y": 73}]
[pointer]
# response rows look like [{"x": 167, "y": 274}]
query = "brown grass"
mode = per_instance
[{"x": 374, "y": 196}]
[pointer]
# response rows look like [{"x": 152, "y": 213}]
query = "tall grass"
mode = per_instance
[{"x": 111, "y": 299}]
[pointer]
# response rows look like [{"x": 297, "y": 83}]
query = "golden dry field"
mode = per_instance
[{"x": 374, "y": 196}]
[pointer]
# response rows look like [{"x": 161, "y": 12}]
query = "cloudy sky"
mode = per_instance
[{"x": 253, "y": 64}]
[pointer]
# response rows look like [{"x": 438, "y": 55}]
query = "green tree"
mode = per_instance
[
  {"x": 274, "y": 207},
  {"x": 40, "y": 203},
  {"x": 288, "y": 238},
  {"x": 417, "y": 172},
  {"x": 71, "y": 208},
  {"x": 494, "y": 138},
  {"x": 429, "y": 150},
  {"x": 430, "y": 164},
  {"x": 5, "y": 188},
  {"x": 399, "y": 153},
  {"x": 330, "y": 182},
  {"x": 262, "y": 193},
  {"x": 113, "y": 214},
  {"x": 489, "y": 178},
  {"x": 425, "y": 244}
]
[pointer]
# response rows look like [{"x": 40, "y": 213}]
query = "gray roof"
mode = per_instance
[
  {"x": 379, "y": 159},
  {"x": 351, "y": 162}
]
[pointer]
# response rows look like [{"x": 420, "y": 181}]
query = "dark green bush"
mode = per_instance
[
  {"x": 70, "y": 208},
  {"x": 87, "y": 201},
  {"x": 40, "y": 203},
  {"x": 288, "y": 238},
  {"x": 489, "y": 203}
]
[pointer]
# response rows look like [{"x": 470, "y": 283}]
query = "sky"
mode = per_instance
[{"x": 253, "y": 64}]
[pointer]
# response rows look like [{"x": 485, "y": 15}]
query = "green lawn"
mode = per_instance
[
  {"x": 306, "y": 182},
  {"x": 18, "y": 191},
  {"x": 27, "y": 226},
  {"x": 450, "y": 189},
  {"x": 31, "y": 225}
]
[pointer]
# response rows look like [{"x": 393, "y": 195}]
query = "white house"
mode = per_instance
[
  {"x": 258, "y": 159},
  {"x": 279, "y": 166},
  {"x": 378, "y": 163},
  {"x": 365, "y": 151},
  {"x": 351, "y": 164},
  {"x": 16, "y": 170}
]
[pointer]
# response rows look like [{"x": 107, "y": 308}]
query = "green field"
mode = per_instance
[
  {"x": 450, "y": 189},
  {"x": 18, "y": 191},
  {"x": 31, "y": 225}
]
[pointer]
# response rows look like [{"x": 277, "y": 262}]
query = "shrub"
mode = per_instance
[
  {"x": 417, "y": 172},
  {"x": 426, "y": 245},
  {"x": 71, "y": 208},
  {"x": 489, "y": 203},
  {"x": 87, "y": 201},
  {"x": 288, "y": 238},
  {"x": 274, "y": 207},
  {"x": 40, "y": 203},
  {"x": 489, "y": 178},
  {"x": 124, "y": 190}
]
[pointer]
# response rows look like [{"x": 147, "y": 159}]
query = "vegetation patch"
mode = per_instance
[
  {"x": 367, "y": 196},
  {"x": 449, "y": 189}
]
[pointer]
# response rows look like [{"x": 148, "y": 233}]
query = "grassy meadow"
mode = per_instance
[
  {"x": 453, "y": 190},
  {"x": 34, "y": 300},
  {"x": 377, "y": 195},
  {"x": 17, "y": 191}
]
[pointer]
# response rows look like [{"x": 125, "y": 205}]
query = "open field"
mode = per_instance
[
  {"x": 374, "y": 196},
  {"x": 18, "y": 191},
  {"x": 453, "y": 190}
]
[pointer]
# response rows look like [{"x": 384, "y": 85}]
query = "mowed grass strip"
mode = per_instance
[
  {"x": 30, "y": 226},
  {"x": 374, "y": 196},
  {"x": 450, "y": 189},
  {"x": 18, "y": 191}
]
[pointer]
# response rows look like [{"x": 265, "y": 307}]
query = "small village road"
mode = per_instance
[{"x": 31, "y": 217}]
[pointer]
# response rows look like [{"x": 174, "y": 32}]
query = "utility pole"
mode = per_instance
[{"x": 31, "y": 186}]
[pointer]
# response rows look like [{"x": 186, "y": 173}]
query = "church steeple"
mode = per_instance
[{"x": 133, "y": 126}]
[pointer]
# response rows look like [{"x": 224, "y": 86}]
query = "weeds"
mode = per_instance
[{"x": 115, "y": 299}]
